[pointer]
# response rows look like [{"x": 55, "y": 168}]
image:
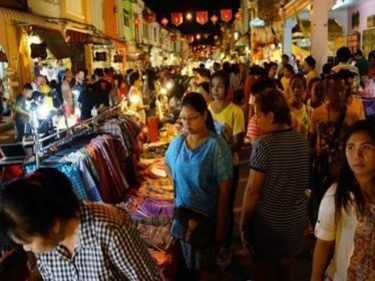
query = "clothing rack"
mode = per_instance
[{"x": 76, "y": 130}]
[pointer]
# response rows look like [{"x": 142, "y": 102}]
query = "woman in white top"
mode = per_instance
[{"x": 346, "y": 221}]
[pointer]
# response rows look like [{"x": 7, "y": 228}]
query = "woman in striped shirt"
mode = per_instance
[{"x": 275, "y": 203}]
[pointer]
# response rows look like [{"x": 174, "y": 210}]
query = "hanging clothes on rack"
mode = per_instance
[
  {"x": 71, "y": 171},
  {"x": 100, "y": 166},
  {"x": 126, "y": 130}
]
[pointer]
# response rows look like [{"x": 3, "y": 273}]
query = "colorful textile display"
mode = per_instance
[{"x": 104, "y": 168}]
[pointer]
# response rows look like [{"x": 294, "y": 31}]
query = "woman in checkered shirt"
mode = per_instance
[{"x": 72, "y": 239}]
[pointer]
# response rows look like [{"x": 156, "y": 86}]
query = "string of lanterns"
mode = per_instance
[{"x": 201, "y": 17}]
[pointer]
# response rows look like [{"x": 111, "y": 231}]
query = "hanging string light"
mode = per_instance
[
  {"x": 189, "y": 16},
  {"x": 214, "y": 19},
  {"x": 164, "y": 21},
  {"x": 202, "y": 17}
]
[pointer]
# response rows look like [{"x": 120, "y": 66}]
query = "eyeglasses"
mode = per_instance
[{"x": 189, "y": 118}]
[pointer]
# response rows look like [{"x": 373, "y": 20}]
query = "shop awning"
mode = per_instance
[
  {"x": 73, "y": 36},
  {"x": 9, "y": 17},
  {"x": 25, "y": 18},
  {"x": 56, "y": 42}
]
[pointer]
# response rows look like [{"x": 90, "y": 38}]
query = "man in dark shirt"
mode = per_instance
[
  {"x": 79, "y": 85},
  {"x": 22, "y": 114},
  {"x": 101, "y": 87},
  {"x": 87, "y": 99}
]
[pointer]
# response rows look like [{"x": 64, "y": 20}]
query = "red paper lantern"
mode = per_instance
[
  {"x": 238, "y": 15},
  {"x": 226, "y": 15},
  {"x": 214, "y": 19},
  {"x": 202, "y": 17},
  {"x": 164, "y": 21},
  {"x": 177, "y": 18}
]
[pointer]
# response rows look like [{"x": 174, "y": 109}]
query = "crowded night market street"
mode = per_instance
[{"x": 163, "y": 140}]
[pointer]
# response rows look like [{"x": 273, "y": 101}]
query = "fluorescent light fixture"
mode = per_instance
[{"x": 257, "y": 22}]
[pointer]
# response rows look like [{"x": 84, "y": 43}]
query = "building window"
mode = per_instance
[{"x": 126, "y": 18}]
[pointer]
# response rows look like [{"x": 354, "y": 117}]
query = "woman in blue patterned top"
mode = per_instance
[{"x": 200, "y": 165}]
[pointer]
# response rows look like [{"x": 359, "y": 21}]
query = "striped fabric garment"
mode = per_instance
[
  {"x": 252, "y": 129},
  {"x": 280, "y": 216}
]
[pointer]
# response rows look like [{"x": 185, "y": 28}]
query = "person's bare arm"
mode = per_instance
[
  {"x": 252, "y": 194},
  {"x": 237, "y": 142},
  {"x": 223, "y": 211},
  {"x": 322, "y": 255}
]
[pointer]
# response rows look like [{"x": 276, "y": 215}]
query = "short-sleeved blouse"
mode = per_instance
[
  {"x": 354, "y": 239},
  {"x": 197, "y": 172},
  {"x": 277, "y": 228}
]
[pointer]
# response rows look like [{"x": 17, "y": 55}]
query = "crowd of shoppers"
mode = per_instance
[
  {"x": 311, "y": 166},
  {"x": 297, "y": 125}
]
